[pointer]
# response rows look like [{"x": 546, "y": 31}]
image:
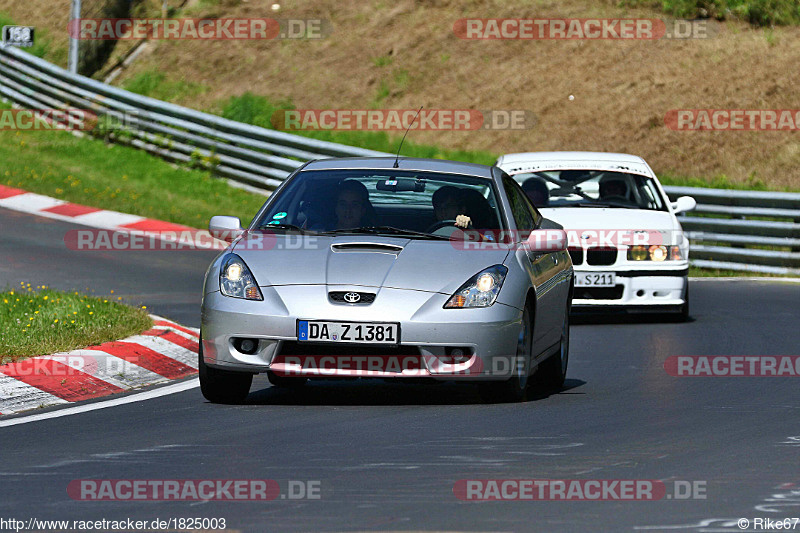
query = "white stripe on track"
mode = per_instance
[
  {"x": 138, "y": 397},
  {"x": 109, "y": 368},
  {"x": 166, "y": 348},
  {"x": 16, "y": 395}
]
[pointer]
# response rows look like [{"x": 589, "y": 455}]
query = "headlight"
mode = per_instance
[
  {"x": 480, "y": 290},
  {"x": 236, "y": 280},
  {"x": 656, "y": 253},
  {"x": 637, "y": 253}
]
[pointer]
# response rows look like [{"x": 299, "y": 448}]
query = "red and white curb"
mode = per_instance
[
  {"x": 166, "y": 352},
  {"x": 45, "y": 206}
]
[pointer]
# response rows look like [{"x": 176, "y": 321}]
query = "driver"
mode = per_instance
[
  {"x": 614, "y": 188},
  {"x": 352, "y": 205},
  {"x": 449, "y": 203}
]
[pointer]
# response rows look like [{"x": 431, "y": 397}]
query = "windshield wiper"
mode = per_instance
[{"x": 390, "y": 230}]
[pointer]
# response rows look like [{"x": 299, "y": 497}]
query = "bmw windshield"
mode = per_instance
[{"x": 591, "y": 188}]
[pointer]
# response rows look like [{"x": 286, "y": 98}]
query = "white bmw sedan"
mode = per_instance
[{"x": 628, "y": 248}]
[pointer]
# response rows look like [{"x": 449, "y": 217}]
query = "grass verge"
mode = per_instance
[
  {"x": 42, "y": 321},
  {"x": 259, "y": 110},
  {"x": 43, "y": 43},
  {"x": 88, "y": 171},
  {"x": 756, "y": 12}
]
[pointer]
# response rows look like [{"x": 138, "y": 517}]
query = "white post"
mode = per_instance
[{"x": 73, "y": 40}]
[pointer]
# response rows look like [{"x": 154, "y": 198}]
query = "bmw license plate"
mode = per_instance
[
  {"x": 355, "y": 332},
  {"x": 595, "y": 279}
]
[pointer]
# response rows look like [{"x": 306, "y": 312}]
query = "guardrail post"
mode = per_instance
[{"x": 73, "y": 39}]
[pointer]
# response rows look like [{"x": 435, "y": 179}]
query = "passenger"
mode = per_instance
[{"x": 537, "y": 192}]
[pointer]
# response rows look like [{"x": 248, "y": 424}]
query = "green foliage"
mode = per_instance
[
  {"x": 112, "y": 176},
  {"x": 41, "y": 41},
  {"x": 156, "y": 85},
  {"x": 41, "y": 321},
  {"x": 756, "y": 12},
  {"x": 382, "y": 61},
  {"x": 259, "y": 111}
]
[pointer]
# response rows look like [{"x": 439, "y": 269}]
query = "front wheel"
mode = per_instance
[
  {"x": 222, "y": 386},
  {"x": 683, "y": 315},
  {"x": 515, "y": 389}
]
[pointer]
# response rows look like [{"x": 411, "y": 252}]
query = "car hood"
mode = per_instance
[
  {"x": 365, "y": 260},
  {"x": 577, "y": 220},
  {"x": 609, "y": 218}
]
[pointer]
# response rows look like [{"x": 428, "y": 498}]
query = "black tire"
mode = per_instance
[
  {"x": 285, "y": 382},
  {"x": 553, "y": 370},
  {"x": 683, "y": 315},
  {"x": 516, "y": 388},
  {"x": 222, "y": 386}
]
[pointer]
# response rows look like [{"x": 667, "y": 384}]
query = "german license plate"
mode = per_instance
[
  {"x": 350, "y": 332},
  {"x": 595, "y": 279}
]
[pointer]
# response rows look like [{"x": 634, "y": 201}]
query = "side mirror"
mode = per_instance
[
  {"x": 225, "y": 228},
  {"x": 547, "y": 240},
  {"x": 683, "y": 204}
]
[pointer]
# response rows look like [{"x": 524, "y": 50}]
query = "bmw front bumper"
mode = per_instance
[{"x": 636, "y": 289}]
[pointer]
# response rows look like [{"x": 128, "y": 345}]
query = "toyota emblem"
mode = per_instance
[{"x": 352, "y": 297}]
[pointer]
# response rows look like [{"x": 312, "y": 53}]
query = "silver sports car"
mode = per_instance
[{"x": 389, "y": 268}]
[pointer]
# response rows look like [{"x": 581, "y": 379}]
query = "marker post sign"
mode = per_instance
[{"x": 21, "y": 36}]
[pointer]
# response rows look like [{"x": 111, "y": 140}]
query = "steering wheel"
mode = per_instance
[{"x": 440, "y": 224}]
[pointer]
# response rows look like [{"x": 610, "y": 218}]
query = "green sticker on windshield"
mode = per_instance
[{"x": 279, "y": 215}]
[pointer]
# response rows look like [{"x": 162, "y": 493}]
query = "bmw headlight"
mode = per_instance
[
  {"x": 236, "y": 280},
  {"x": 656, "y": 253},
  {"x": 480, "y": 290}
]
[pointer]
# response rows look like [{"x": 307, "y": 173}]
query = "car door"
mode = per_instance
[{"x": 544, "y": 268}]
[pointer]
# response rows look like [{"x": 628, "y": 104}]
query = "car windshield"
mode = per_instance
[
  {"x": 411, "y": 204},
  {"x": 591, "y": 188}
]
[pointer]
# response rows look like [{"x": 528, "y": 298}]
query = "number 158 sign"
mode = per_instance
[{"x": 18, "y": 36}]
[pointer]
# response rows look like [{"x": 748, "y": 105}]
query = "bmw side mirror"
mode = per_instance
[{"x": 683, "y": 204}]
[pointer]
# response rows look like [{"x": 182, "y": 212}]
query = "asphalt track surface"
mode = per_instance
[{"x": 387, "y": 456}]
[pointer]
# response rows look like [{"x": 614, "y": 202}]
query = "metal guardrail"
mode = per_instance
[
  {"x": 722, "y": 229},
  {"x": 253, "y": 155},
  {"x": 743, "y": 230}
]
